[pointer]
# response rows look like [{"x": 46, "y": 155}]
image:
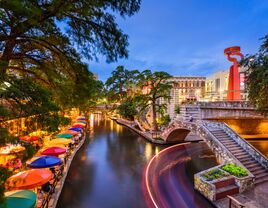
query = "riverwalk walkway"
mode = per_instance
[{"x": 55, "y": 197}]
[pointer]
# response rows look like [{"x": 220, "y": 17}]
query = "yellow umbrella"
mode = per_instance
[
  {"x": 82, "y": 124},
  {"x": 56, "y": 142}
]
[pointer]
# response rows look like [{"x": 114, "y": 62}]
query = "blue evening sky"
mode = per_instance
[{"x": 187, "y": 37}]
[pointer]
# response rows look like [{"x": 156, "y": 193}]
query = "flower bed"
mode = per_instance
[
  {"x": 213, "y": 174},
  {"x": 235, "y": 170}
]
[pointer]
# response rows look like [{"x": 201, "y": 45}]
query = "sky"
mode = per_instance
[{"x": 187, "y": 37}]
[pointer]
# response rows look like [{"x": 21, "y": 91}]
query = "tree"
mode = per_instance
[
  {"x": 121, "y": 84},
  {"x": 32, "y": 40},
  {"x": 128, "y": 109},
  {"x": 159, "y": 88},
  {"x": 257, "y": 80}
]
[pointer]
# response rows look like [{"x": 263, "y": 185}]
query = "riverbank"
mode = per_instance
[
  {"x": 146, "y": 135},
  {"x": 58, "y": 189}
]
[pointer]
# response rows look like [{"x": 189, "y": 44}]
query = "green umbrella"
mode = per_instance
[
  {"x": 84, "y": 122},
  {"x": 21, "y": 199},
  {"x": 65, "y": 136}
]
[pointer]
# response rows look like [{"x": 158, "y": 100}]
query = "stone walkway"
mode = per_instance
[
  {"x": 54, "y": 199},
  {"x": 254, "y": 198}
]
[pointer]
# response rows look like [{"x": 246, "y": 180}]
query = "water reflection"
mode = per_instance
[
  {"x": 108, "y": 170},
  {"x": 261, "y": 145}
]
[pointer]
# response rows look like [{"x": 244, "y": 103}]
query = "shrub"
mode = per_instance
[
  {"x": 177, "y": 109},
  {"x": 164, "y": 120},
  {"x": 214, "y": 174},
  {"x": 127, "y": 109},
  {"x": 235, "y": 170}
]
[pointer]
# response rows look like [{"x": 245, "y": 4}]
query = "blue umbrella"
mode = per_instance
[
  {"x": 45, "y": 162},
  {"x": 75, "y": 129}
]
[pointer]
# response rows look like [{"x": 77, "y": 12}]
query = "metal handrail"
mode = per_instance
[{"x": 237, "y": 203}]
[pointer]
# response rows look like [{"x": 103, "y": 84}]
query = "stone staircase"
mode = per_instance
[
  {"x": 260, "y": 173},
  {"x": 226, "y": 187}
]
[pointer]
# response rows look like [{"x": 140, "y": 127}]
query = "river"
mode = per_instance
[{"x": 108, "y": 171}]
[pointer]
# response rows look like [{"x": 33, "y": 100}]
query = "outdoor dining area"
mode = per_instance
[{"x": 33, "y": 182}]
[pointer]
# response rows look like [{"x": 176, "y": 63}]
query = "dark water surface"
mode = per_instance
[
  {"x": 108, "y": 170},
  {"x": 261, "y": 145}
]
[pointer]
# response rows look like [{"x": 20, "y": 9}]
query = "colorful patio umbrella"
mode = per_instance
[
  {"x": 56, "y": 142},
  {"x": 81, "y": 119},
  {"x": 45, "y": 162},
  {"x": 29, "y": 179},
  {"x": 64, "y": 136},
  {"x": 82, "y": 122},
  {"x": 77, "y": 123},
  {"x": 29, "y": 138},
  {"x": 71, "y": 132},
  {"x": 55, "y": 151},
  {"x": 21, "y": 199},
  {"x": 78, "y": 126},
  {"x": 76, "y": 129}
]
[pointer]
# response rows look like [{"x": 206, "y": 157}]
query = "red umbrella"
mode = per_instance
[
  {"x": 78, "y": 126},
  {"x": 29, "y": 138},
  {"x": 55, "y": 151}
]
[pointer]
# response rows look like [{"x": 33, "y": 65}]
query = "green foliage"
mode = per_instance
[
  {"x": 163, "y": 120},
  {"x": 177, "y": 109},
  {"x": 128, "y": 109},
  {"x": 235, "y": 170},
  {"x": 214, "y": 174},
  {"x": 121, "y": 84},
  {"x": 4, "y": 175},
  {"x": 159, "y": 89},
  {"x": 257, "y": 81}
]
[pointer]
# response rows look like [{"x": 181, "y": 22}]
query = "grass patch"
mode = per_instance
[
  {"x": 235, "y": 170},
  {"x": 214, "y": 174}
]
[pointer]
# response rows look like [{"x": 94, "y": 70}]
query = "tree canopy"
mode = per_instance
[{"x": 257, "y": 80}]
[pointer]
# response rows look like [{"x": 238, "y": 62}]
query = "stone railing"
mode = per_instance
[
  {"x": 176, "y": 124},
  {"x": 227, "y": 104},
  {"x": 258, "y": 156},
  {"x": 223, "y": 154}
]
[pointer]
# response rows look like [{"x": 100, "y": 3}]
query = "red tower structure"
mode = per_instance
[{"x": 234, "y": 77}]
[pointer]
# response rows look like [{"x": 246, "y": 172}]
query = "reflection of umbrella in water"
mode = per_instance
[
  {"x": 64, "y": 136},
  {"x": 29, "y": 179},
  {"x": 55, "y": 151},
  {"x": 21, "y": 199},
  {"x": 45, "y": 162}
]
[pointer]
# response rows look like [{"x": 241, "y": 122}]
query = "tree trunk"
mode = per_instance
[
  {"x": 155, "y": 126},
  {"x": 5, "y": 58}
]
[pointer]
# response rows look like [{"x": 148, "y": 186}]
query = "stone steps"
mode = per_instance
[
  {"x": 261, "y": 180},
  {"x": 227, "y": 190},
  {"x": 260, "y": 173}
]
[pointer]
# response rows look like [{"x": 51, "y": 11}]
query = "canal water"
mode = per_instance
[
  {"x": 261, "y": 145},
  {"x": 108, "y": 171}
]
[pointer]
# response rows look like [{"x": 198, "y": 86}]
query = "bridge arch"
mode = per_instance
[{"x": 178, "y": 135}]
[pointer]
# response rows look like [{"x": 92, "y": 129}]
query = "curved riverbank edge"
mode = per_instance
[
  {"x": 54, "y": 200},
  {"x": 141, "y": 133}
]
